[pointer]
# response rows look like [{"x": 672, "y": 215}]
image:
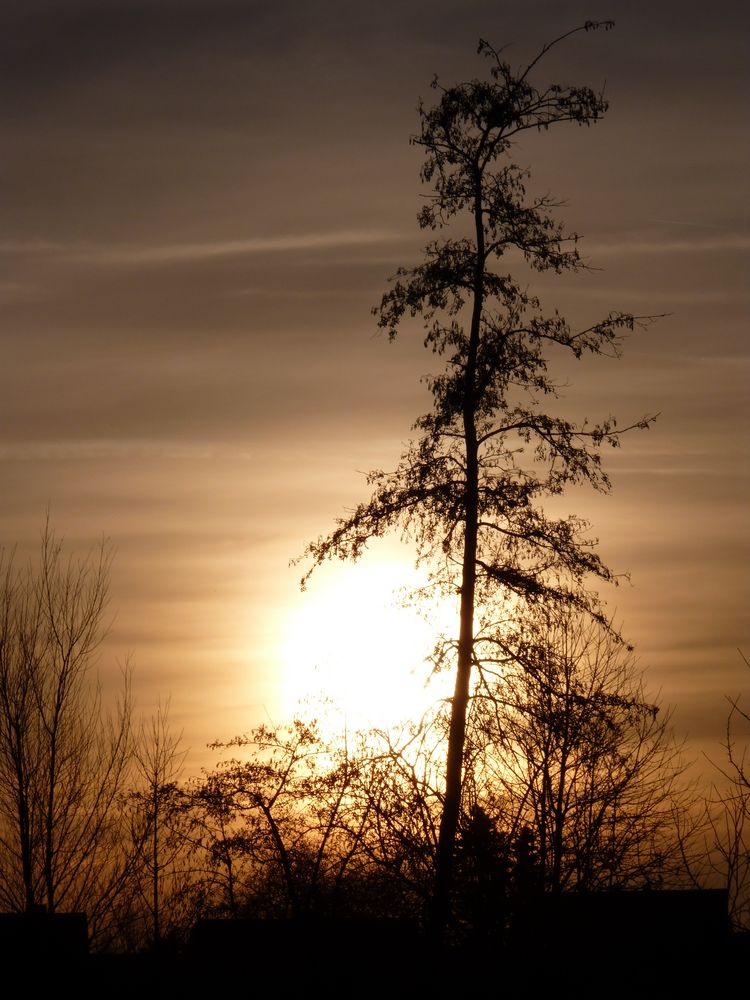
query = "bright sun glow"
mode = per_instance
[{"x": 351, "y": 640}]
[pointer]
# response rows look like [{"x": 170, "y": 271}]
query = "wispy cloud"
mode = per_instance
[
  {"x": 668, "y": 245},
  {"x": 168, "y": 253},
  {"x": 669, "y": 297},
  {"x": 31, "y": 246},
  {"x": 97, "y": 449},
  {"x": 17, "y": 291},
  {"x": 177, "y": 253}
]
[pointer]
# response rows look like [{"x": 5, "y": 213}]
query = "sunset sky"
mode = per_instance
[{"x": 201, "y": 200}]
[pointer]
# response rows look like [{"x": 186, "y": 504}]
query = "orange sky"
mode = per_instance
[{"x": 200, "y": 203}]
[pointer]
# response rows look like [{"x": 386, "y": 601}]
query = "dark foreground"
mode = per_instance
[{"x": 640, "y": 945}]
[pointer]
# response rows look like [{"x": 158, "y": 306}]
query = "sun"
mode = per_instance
[{"x": 351, "y": 640}]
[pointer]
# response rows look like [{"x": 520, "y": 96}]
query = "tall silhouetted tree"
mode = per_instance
[{"x": 469, "y": 490}]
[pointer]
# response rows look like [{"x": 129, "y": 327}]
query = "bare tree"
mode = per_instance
[
  {"x": 64, "y": 759},
  {"x": 394, "y": 811},
  {"x": 728, "y": 852},
  {"x": 274, "y": 812},
  {"x": 566, "y": 742},
  {"x": 162, "y": 879}
]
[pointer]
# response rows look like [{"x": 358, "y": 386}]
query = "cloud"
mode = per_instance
[
  {"x": 18, "y": 291},
  {"x": 31, "y": 246},
  {"x": 698, "y": 244},
  {"x": 177, "y": 253},
  {"x": 672, "y": 297},
  {"x": 107, "y": 448}
]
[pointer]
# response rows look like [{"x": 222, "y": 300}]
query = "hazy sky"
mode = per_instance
[{"x": 201, "y": 201}]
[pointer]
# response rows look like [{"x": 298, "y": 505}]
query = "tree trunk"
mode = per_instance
[{"x": 441, "y": 905}]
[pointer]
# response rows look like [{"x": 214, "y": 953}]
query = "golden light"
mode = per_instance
[{"x": 350, "y": 639}]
